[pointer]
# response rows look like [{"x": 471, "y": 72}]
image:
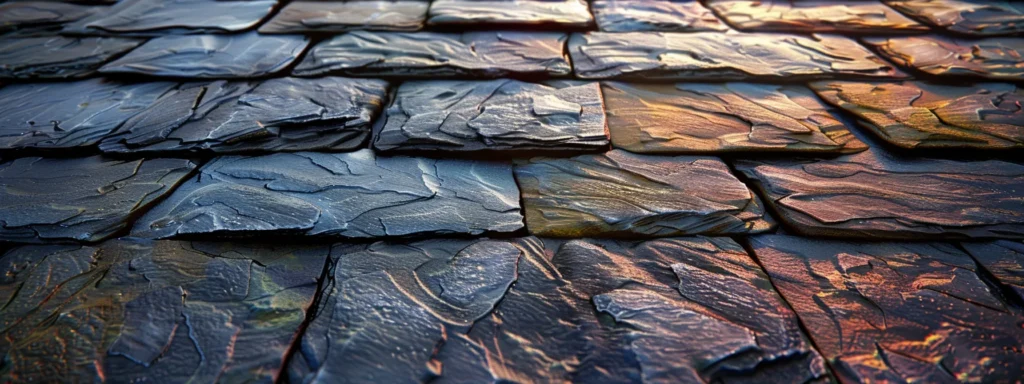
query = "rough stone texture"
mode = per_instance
[
  {"x": 285, "y": 114},
  {"x": 343, "y": 16},
  {"x": 622, "y": 194},
  {"x": 896, "y": 312},
  {"x": 42, "y": 15},
  {"x": 243, "y": 55},
  {"x": 493, "y": 115},
  {"x": 814, "y": 16},
  {"x": 654, "y": 15},
  {"x": 876, "y": 195},
  {"x": 968, "y": 17},
  {"x": 162, "y": 17},
  {"x": 921, "y": 115},
  {"x": 338, "y": 195},
  {"x": 992, "y": 58},
  {"x": 58, "y": 57},
  {"x": 133, "y": 311},
  {"x": 434, "y": 55},
  {"x": 1005, "y": 261},
  {"x": 715, "y": 118},
  {"x": 712, "y": 55},
  {"x": 83, "y": 199},
  {"x": 563, "y": 14}
]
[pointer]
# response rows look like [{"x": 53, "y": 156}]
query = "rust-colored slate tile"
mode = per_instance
[
  {"x": 997, "y": 58},
  {"x": 1004, "y": 259},
  {"x": 814, "y": 16},
  {"x": 968, "y": 17}
]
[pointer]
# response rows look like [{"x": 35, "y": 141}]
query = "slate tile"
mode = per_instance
[
  {"x": 876, "y": 195},
  {"x": 562, "y": 14},
  {"x": 163, "y": 17},
  {"x": 58, "y": 57},
  {"x": 343, "y": 16},
  {"x": 654, "y": 15},
  {"x": 622, "y": 194},
  {"x": 922, "y": 115},
  {"x": 439, "y": 55},
  {"x": 284, "y": 114},
  {"x": 42, "y": 15},
  {"x": 243, "y": 55},
  {"x": 968, "y": 17},
  {"x": 991, "y": 58},
  {"x": 719, "y": 118},
  {"x": 1005, "y": 261},
  {"x": 896, "y": 312},
  {"x": 719, "y": 56},
  {"x": 131, "y": 310},
  {"x": 493, "y": 115},
  {"x": 815, "y": 16},
  {"x": 83, "y": 199},
  {"x": 352, "y": 194}
]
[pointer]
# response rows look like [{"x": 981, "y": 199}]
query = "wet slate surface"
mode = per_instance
[
  {"x": 58, "y": 57},
  {"x": 967, "y": 17},
  {"x": 39, "y": 16},
  {"x": 493, "y": 115},
  {"x": 334, "y": 17},
  {"x": 718, "y": 118},
  {"x": 1004, "y": 259},
  {"x": 816, "y": 16},
  {"x": 992, "y": 58},
  {"x": 162, "y": 17},
  {"x": 654, "y": 15},
  {"x": 80, "y": 199},
  {"x": 921, "y": 115},
  {"x": 439, "y": 55},
  {"x": 896, "y": 312},
  {"x": 562, "y": 14},
  {"x": 710, "y": 55}
]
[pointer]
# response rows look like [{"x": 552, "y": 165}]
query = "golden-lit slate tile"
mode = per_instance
[
  {"x": 814, "y": 16},
  {"x": 968, "y": 17},
  {"x": 991, "y": 58},
  {"x": 896, "y": 312},
  {"x": 623, "y": 194},
  {"x": 490, "y": 13},
  {"x": 921, "y": 115},
  {"x": 715, "y": 118},
  {"x": 58, "y": 57},
  {"x": 342, "y": 16},
  {"x": 1005, "y": 260},
  {"x": 654, "y": 15}
]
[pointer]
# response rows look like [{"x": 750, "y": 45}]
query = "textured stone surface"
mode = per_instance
[
  {"x": 622, "y": 194},
  {"x": 42, "y": 14},
  {"x": 714, "y": 118},
  {"x": 814, "y": 16},
  {"x": 83, "y": 199},
  {"x": 876, "y": 195},
  {"x": 352, "y": 194},
  {"x": 285, "y": 114},
  {"x": 493, "y": 115},
  {"x": 161, "y": 17},
  {"x": 211, "y": 56},
  {"x": 896, "y": 312},
  {"x": 654, "y": 15},
  {"x": 1005, "y": 261},
  {"x": 429, "y": 54},
  {"x": 562, "y": 14},
  {"x": 342, "y": 16},
  {"x": 922, "y": 115},
  {"x": 58, "y": 57},
  {"x": 992, "y": 58},
  {"x": 711, "y": 55},
  {"x": 969, "y": 17}
]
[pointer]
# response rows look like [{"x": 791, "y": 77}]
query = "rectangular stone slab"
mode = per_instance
[
  {"x": 966, "y": 17},
  {"x": 352, "y": 194},
  {"x": 815, "y": 16},
  {"x": 29, "y": 15},
  {"x": 1004, "y": 259},
  {"x": 343, "y": 16},
  {"x": 163, "y": 17},
  {"x": 562, "y": 14},
  {"x": 493, "y": 115},
  {"x": 719, "y": 118},
  {"x": 654, "y": 15},
  {"x": 58, "y": 57},
  {"x": 992, "y": 58}
]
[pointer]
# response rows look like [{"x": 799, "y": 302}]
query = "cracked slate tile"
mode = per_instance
[
  {"x": 816, "y": 16},
  {"x": 352, "y": 194},
  {"x": 654, "y": 15},
  {"x": 343, "y": 16},
  {"x": 283, "y": 114},
  {"x": 722, "y": 56},
  {"x": 1004, "y": 260},
  {"x": 163, "y": 17},
  {"x": 896, "y": 312},
  {"x": 921, "y": 115},
  {"x": 436, "y": 55},
  {"x": 623, "y": 194},
  {"x": 493, "y": 115},
  {"x": 563, "y": 14},
  {"x": 243, "y": 55},
  {"x": 58, "y": 57},
  {"x": 133, "y": 310},
  {"x": 718, "y": 118},
  {"x": 967, "y": 17},
  {"x": 990, "y": 58},
  {"x": 876, "y": 195},
  {"x": 29, "y": 16}
]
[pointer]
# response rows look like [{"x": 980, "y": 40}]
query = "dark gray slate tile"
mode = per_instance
[
  {"x": 343, "y": 16},
  {"x": 58, "y": 57},
  {"x": 26, "y": 16},
  {"x": 654, "y": 15},
  {"x": 493, "y": 115},
  {"x": 490, "y": 13},
  {"x": 991, "y": 58},
  {"x": 814, "y": 16},
  {"x": 429, "y": 54},
  {"x": 1005, "y": 261},
  {"x": 968, "y": 17},
  {"x": 80, "y": 199},
  {"x": 162, "y": 17}
]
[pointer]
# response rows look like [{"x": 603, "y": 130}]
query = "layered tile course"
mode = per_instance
[
  {"x": 967, "y": 17},
  {"x": 991, "y": 58}
]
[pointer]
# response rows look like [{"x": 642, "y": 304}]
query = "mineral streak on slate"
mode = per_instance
[
  {"x": 243, "y": 55},
  {"x": 556, "y": 13},
  {"x": 622, "y": 194},
  {"x": 716, "y": 118},
  {"x": 284, "y": 114},
  {"x": 1005, "y": 260},
  {"x": 493, "y": 115},
  {"x": 921, "y": 115},
  {"x": 133, "y": 310},
  {"x": 968, "y": 17},
  {"x": 896, "y": 312},
  {"x": 719, "y": 56},
  {"x": 58, "y": 57},
  {"x": 162, "y": 17},
  {"x": 334, "y": 16},
  {"x": 991, "y": 58},
  {"x": 875, "y": 195},
  {"x": 654, "y": 15},
  {"x": 42, "y": 14},
  {"x": 82, "y": 199},
  {"x": 352, "y": 194},
  {"x": 814, "y": 16},
  {"x": 429, "y": 54}
]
